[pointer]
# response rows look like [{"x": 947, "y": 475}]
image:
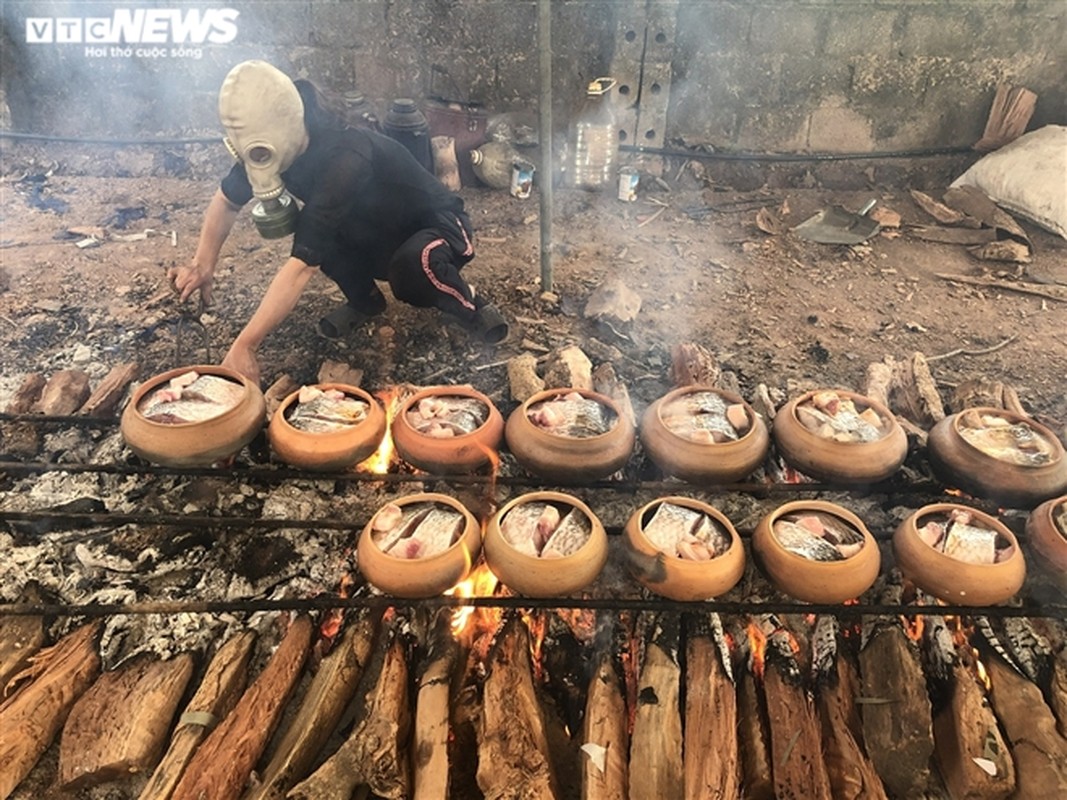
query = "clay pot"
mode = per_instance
[
  {"x": 332, "y": 450},
  {"x": 565, "y": 459},
  {"x": 421, "y": 577},
  {"x": 545, "y": 577},
  {"x": 839, "y": 462},
  {"x": 698, "y": 462},
  {"x": 958, "y": 463},
  {"x": 194, "y": 444},
  {"x": 681, "y": 578},
  {"x": 454, "y": 454},
  {"x": 1047, "y": 540},
  {"x": 816, "y": 581},
  {"x": 948, "y": 578}
]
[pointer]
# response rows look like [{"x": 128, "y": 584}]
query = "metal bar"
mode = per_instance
[
  {"x": 325, "y": 602},
  {"x": 465, "y": 479},
  {"x": 58, "y": 419},
  {"x": 544, "y": 109}
]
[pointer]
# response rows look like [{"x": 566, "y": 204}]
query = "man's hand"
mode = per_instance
[
  {"x": 243, "y": 359},
  {"x": 188, "y": 279}
]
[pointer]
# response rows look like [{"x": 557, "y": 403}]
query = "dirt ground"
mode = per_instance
[{"x": 773, "y": 309}]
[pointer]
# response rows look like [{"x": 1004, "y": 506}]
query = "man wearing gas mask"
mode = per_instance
[{"x": 370, "y": 212}]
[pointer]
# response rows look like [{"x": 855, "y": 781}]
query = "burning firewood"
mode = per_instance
[
  {"x": 656, "y": 744},
  {"x": 692, "y": 364},
  {"x": 1040, "y": 753},
  {"x": 972, "y": 755},
  {"x": 37, "y": 710},
  {"x": 375, "y": 753},
  {"x": 895, "y": 708},
  {"x": 1058, "y": 691},
  {"x": 605, "y": 742},
  {"x": 710, "y": 715},
  {"x": 106, "y": 397},
  {"x": 797, "y": 764},
  {"x": 321, "y": 710},
  {"x": 513, "y": 754},
  {"x": 852, "y": 775},
  {"x": 432, "y": 710},
  {"x": 119, "y": 726},
  {"x": 216, "y": 696},
  {"x": 752, "y": 734},
  {"x": 222, "y": 764}
]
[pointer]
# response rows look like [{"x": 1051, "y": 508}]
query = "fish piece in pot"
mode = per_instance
[
  {"x": 801, "y": 541},
  {"x": 394, "y": 522},
  {"x": 432, "y": 534},
  {"x": 524, "y": 527},
  {"x": 705, "y": 417},
  {"x": 572, "y": 415},
  {"x": 833, "y": 417},
  {"x": 1014, "y": 443},
  {"x": 447, "y": 415},
  {"x": 318, "y": 411},
  {"x": 191, "y": 398},
  {"x": 570, "y": 535}
]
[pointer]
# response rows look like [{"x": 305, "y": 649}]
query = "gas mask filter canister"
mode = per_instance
[{"x": 263, "y": 115}]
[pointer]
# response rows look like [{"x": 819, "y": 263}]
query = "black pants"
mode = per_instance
[{"x": 424, "y": 271}]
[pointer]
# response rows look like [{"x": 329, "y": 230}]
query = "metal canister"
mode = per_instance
[
  {"x": 628, "y": 180},
  {"x": 522, "y": 172},
  {"x": 408, "y": 125}
]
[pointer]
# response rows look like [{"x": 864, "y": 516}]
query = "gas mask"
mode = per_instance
[{"x": 263, "y": 115}]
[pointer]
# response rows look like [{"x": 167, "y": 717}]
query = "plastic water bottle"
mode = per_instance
[{"x": 593, "y": 141}]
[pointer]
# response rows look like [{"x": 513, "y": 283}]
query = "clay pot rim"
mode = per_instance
[
  {"x": 754, "y": 419},
  {"x": 947, "y": 561},
  {"x": 686, "y": 564},
  {"x": 444, "y": 499},
  {"x": 463, "y": 391},
  {"x": 547, "y": 394},
  {"x": 548, "y": 495},
  {"x": 830, "y": 508},
  {"x": 803, "y": 430},
  {"x": 1048, "y": 435},
  {"x": 133, "y": 407}
]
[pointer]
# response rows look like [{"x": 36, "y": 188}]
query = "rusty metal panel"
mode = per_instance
[
  {"x": 630, "y": 21},
  {"x": 662, "y": 20}
]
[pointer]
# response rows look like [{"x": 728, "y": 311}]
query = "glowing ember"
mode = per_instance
[
  {"x": 913, "y": 626},
  {"x": 537, "y": 623},
  {"x": 757, "y": 643},
  {"x": 468, "y": 622},
  {"x": 380, "y": 460}
]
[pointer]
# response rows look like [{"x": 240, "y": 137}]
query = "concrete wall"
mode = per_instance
[{"x": 755, "y": 75}]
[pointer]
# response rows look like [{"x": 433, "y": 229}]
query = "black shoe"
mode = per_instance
[
  {"x": 488, "y": 324},
  {"x": 342, "y": 322}
]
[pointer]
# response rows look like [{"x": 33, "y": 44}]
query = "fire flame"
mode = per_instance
[
  {"x": 757, "y": 642},
  {"x": 913, "y": 626},
  {"x": 468, "y": 622},
  {"x": 378, "y": 462},
  {"x": 537, "y": 623}
]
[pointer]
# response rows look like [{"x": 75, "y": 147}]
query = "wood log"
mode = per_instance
[
  {"x": 607, "y": 383},
  {"x": 968, "y": 744},
  {"x": 105, "y": 398},
  {"x": 327, "y": 697},
  {"x": 1040, "y": 753},
  {"x": 711, "y": 762},
  {"x": 753, "y": 739},
  {"x": 219, "y": 690},
  {"x": 605, "y": 742},
  {"x": 895, "y": 709},
  {"x": 1008, "y": 117},
  {"x": 432, "y": 714},
  {"x": 222, "y": 764},
  {"x": 657, "y": 769},
  {"x": 513, "y": 752},
  {"x": 692, "y": 364},
  {"x": 21, "y": 637},
  {"x": 119, "y": 726},
  {"x": 278, "y": 391},
  {"x": 797, "y": 765},
  {"x": 27, "y": 395},
  {"x": 852, "y": 775},
  {"x": 36, "y": 711},
  {"x": 1058, "y": 691},
  {"x": 64, "y": 392},
  {"x": 375, "y": 753}
]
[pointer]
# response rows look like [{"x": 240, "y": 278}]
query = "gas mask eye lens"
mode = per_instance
[{"x": 259, "y": 155}]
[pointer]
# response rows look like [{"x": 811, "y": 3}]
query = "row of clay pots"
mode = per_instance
[
  {"x": 566, "y": 460},
  {"x": 942, "y": 576}
]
